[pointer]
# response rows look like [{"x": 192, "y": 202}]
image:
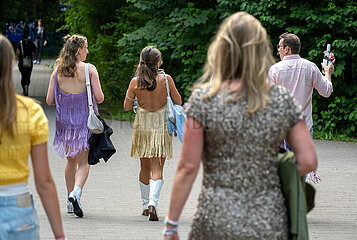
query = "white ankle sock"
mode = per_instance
[{"x": 77, "y": 190}]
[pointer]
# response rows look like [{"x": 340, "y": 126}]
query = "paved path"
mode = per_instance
[{"x": 111, "y": 198}]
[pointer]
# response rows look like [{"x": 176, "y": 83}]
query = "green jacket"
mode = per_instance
[{"x": 293, "y": 188}]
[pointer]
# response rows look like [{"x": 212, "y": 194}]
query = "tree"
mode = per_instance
[{"x": 183, "y": 30}]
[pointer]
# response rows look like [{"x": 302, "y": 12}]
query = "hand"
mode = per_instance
[
  {"x": 330, "y": 69},
  {"x": 44, "y": 43},
  {"x": 172, "y": 237}
]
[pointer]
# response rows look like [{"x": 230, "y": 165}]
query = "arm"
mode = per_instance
[
  {"x": 302, "y": 145},
  {"x": 130, "y": 95},
  {"x": 175, "y": 96},
  {"x": 273, "y": 74},
  {"x": 323, "y": 84},
  {"x": 50, "y": 99},
  {"x": 95, "y": 83},
  {"x": 187, "y": 168},
  {"x": 46, "y": 187}
]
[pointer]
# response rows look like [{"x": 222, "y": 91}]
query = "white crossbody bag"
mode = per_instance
[{"x": 94, "y": 124}]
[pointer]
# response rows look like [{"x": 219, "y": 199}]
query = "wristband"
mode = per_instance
[
  {"x": 171, "y": 223},
  {"x": 62, "y": 236},
  {"x": 169, "y": 231}
]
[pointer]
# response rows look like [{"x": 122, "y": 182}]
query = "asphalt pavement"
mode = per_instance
[{"x": 111, "y": 197}]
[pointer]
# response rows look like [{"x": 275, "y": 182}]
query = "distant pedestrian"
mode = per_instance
[
  {"x": 235, "y": 123},
  {"x": 23, "y": 132},
  {"x": 24, "y": 51},
  {"x": 40, "y": 41},
  {"x": 67, "y": 90},
  {"x": 151, "y": 141}
]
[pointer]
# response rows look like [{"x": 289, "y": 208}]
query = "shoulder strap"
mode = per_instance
[
  {"x": 89, "y": 92},
  {"x": 22, "y": 49},
  {"x": 167, "y": 85}
]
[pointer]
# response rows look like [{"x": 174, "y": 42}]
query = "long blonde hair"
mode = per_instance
[
  {"x": 241, "y": 50},
  {"x": 8, "y": 102},
  {"x": 67, "y": 61}
]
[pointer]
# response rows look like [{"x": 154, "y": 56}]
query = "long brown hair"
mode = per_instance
[
  {"x": 147, "y": 70},
  {"x": 241, "y": 50},
  {"x": 8, "y": 102},
  {"x": 67, "y": 61}
]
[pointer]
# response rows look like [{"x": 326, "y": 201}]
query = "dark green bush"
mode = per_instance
[{"x": 183, "y": 30}]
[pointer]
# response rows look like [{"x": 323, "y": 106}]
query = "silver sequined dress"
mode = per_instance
[{"x": 240, "y": 196}]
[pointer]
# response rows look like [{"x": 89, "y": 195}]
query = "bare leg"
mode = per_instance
[
  {"x": 80, "y": 178},
  {"x": 70, "y": 173},
  {"x": 157, "y": 167},
  {"x": 145, "y": 170},
  {"x": 83, "y": 169}
]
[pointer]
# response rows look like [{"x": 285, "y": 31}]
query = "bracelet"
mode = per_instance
[
  {"x": 171, "y": 223},
  {"x": 130, "y": 99},
  {"x": 60, "y": 237},
  {"x": 169, "y": 231}
]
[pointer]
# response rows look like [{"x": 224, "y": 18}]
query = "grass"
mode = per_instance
[{"x": 333, "y": 136}]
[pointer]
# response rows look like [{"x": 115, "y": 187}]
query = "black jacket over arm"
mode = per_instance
[{"x": 100, "y": 145}]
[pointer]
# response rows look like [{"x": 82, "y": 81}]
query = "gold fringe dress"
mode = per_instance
[{"x": 150, "y": 134}]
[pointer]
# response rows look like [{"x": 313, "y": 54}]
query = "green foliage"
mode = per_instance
[
  {"x": 183, "y": 30},
  {"x": 181, "y": 34},
  {"x": 340, "y": 115},
  {"x": 47, "y": 10}
]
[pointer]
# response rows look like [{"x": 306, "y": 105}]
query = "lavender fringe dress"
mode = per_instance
[{"x": 72, "y": 133}]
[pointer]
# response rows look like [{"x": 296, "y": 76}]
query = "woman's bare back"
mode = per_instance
[
  {"x": 76, "y": 84},
  {"x": 155, "y": 99}
]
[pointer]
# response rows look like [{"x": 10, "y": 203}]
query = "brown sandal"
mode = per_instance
[
  {"x": 152, "y": 214},
  {"x": 145, "y": 212}
]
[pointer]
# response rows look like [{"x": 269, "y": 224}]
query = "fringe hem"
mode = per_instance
[
  {"x": 64, "y": 152},
  {"x": 68, "y": 141},
  {"x": 148, "y": 144}
]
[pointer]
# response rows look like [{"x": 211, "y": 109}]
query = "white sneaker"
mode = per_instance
[
  {"x": 74, "y": 198},
  {"x": 34, "y": 61},
  {"x": 69, "y": 207}
]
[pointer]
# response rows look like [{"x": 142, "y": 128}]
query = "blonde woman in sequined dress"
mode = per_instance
[{"x": 235, "y": 123}]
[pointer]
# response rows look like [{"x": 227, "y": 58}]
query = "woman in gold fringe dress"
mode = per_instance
[{"x": 151, "y": 141}]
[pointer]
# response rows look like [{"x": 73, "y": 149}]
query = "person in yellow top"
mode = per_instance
[{"x": 23, "y": 131}]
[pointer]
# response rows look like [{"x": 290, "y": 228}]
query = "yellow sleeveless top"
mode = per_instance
[{"x": 31, "y": 129}]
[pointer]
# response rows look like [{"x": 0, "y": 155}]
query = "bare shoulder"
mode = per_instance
[
  {"x": 92, "y": 68},
  {"x": 54, "y": 72},
  {"x": 169, "y": 78},
  {"x": 133, "y": 82}
]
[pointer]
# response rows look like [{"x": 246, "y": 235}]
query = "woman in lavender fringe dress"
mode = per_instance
[{"x": 67, "y": 90}]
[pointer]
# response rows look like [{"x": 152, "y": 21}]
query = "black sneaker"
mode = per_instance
[{"x": 26, "y": 90}]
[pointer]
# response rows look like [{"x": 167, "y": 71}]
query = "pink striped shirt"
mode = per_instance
[{"x": 300, "y": 77}]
